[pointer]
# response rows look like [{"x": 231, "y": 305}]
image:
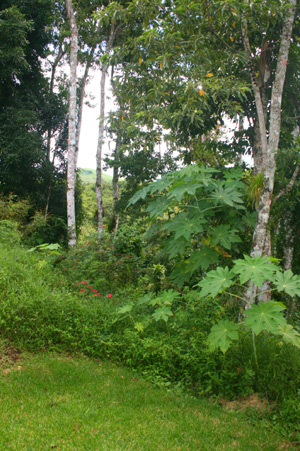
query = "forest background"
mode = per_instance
[{"x": 182, "y": 266}]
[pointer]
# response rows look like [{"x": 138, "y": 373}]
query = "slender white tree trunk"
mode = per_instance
[
  {"x": 81, "y": 99},
  {"x": 116, "y": 189},
  {"x": 71, "y": 170},
  {"x": 100, "y": 137}
]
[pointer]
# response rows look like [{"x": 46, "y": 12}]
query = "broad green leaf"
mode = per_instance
[
  {"x": 215, "y": 282},
  {"x": 167, "y": 297},
  {"x": 222, "y": 335},
  {"x": 289, "y": 334},
  {"x": 141, "y": 194},
  {"x": 203, "y": 258},
  {"x": 227, "y": 196},
  {"x": 158, "y": 207},
  {"x": 258, "y": 269},
  {"x": 145, "y": 299},
  {"x": 184, "y": 227},
  {"x": 162, "y": 313},
  {"x": 161, "y": 184},
  {"x": 127, "y": 308},
  {"x": 265, "y": 316},
  {"x": 224, "y": 235},
  {"x": 180, "y": 190},
  {"x": 173, "y": 247},
  {"x": 181, "y": 273},
  {"x": 288, "y": 282}
]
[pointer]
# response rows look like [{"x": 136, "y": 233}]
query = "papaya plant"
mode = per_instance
[
  {"x": 258, "y": 317},
  {"x": 201, "y": 213}
]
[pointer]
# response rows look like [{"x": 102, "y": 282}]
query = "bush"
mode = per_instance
[{"x": 39, "y": 311}]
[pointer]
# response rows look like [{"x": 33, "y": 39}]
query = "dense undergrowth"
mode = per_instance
[{"x": 47, "y": 303}]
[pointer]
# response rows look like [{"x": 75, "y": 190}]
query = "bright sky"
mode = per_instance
[{"x": 89, "y": 128}]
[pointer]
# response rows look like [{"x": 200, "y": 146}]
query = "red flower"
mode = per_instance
[{"x": 109, "y": 295}]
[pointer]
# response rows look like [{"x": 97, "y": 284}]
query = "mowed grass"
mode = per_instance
[{"x": 73, "y": 403}]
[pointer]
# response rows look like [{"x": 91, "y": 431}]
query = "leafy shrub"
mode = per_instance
[
  {"x": 13, "y": 208},
  {"x": 162, "y": 336},
  {"x": 9, "y": 233}
]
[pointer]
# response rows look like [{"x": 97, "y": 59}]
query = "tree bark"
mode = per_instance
[
  {"x": 116, "y": 189},
  {"x": 100, "y": 137},
  {"x": 71, "y": 168},
  {"x": 270, "y": 139},
  {"x": 81, "y": 99}
]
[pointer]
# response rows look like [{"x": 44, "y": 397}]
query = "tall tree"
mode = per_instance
[{"x": 71, "y": 172}]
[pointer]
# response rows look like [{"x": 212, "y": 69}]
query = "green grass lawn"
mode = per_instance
[{"x": 73, "y": 403}]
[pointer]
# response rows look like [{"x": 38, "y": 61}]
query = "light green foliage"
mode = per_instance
[
  {"x": 215, "y": 282},
  {"x": 265, "y": 316},
  {"x": 258, "y": 269},
  {"x": 289, "y": 334},
  {"x": 262, "y": 317},
  {"x": 222, "y": 335},
  {"x": 287, "y": 282},
  {"x": 9, "y": 233},
  {"x": 191, "y": 205}
]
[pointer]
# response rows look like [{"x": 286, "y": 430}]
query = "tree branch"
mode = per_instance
[{"x": 289, "y": 186}]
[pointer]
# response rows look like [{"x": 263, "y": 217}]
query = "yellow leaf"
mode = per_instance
[
  {"x": 233, "y": 24},
  {"x": 140, "y": 60},
  {"x": 232, "y": 39},
  {"x": 209, "y": 74},
  {"x": 202, "y": 92},
  {"x": 122, "y": 118},
  {"x": 160, "y": 65}
]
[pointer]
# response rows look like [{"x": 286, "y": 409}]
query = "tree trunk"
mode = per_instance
[
  {"x": 116, "y": 189},
  {"x": 100, "y": 138},
  {"x": 71, "y": 169},
  {"x": 269, "y": 139},
  {"x": 81, "y": 99},
  {"x": 52, "y": 168}
]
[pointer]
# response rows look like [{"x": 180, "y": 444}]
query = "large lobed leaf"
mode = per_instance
[
  {"x": 222, "y": 335},
  {"x": 258, "y": 269},
  {"x": 265, "y": 316},
  {"x": 288, "y": 282},
  {"x": 215, "y": 282}
]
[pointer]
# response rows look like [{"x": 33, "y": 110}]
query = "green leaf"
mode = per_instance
[
  {"x": 158, "y": 207},
  {"x": 222, "y": 335},
  {"x": 265, "y": 316},
  {"x": 288, "y": 282},
  {"x": 227, "y": 196},
  {"x": 224, "y": 235},
  {"x": 180, "y": 190},
  {"x": 258, "y": 269},
  {"x": 165, "y": 298},
  {"x": 184, "y": 227},
  {"x": 289, "y": 334},
  {"x": 162, "y": 313},
  {"x": 145, "y": 299},
  {"x": 178, "y": 246},
  {"x": 139, "y": 327},
  {"x": 203, "y": 258},
  {"x": 127, "y": 308},
  {"x": 215, "y": 282},
  {"x": 141, "y": 194}
]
